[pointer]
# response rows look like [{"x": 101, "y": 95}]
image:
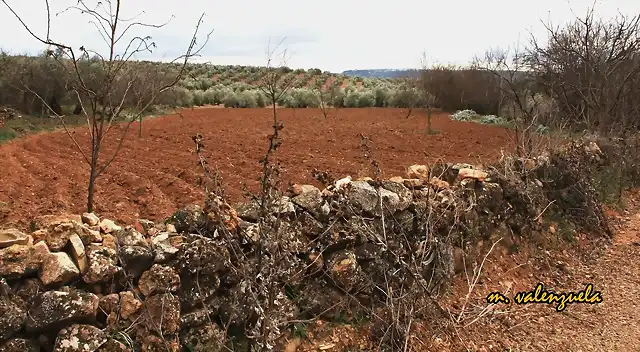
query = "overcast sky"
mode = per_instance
[{"x": 332, "y": 35}]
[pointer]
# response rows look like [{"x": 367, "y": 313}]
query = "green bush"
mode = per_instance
[
  {"x": 366, "y": 99},
  {"x": 7, "y": 134}
]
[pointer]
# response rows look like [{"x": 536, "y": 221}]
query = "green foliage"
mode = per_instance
[{"x": 7, "y": 134}]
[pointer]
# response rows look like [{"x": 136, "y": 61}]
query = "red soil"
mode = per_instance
[{"x": 154, "y": 175}]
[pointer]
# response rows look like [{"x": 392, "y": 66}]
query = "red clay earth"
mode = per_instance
[{"x": 158, "y": 173}]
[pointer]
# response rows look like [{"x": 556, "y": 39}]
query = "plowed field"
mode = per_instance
[{"x": 153, "y": 175}]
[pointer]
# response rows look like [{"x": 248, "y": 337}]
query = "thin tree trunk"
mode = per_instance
[{"x": 92, "y": 176}]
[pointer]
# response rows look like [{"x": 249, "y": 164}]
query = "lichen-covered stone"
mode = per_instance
[
  {"x": 60, "y": 308},
  {"x": 102, "y": 264},
  {"x": 19, "y": 345},
  {"x": 80, "y": 338},
  {"x": 12, "y": 316},
  {"x": 162, "y": 314},
  {"x": 159, "y": 279},
  {"x": 136, "y": 259}
]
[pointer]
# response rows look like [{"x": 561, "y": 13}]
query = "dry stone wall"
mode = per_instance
[{"x": 88, "y": 284}]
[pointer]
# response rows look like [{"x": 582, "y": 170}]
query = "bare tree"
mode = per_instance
[
  {"x": 517, "y": 91},
  {"x": 326, "y": 97},
  {"x": 106, "y": 84},
  {"x": 430, "y": 92},
  {"x": 591, "y": 67}
]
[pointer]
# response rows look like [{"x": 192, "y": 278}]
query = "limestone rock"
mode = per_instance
[
  {"x": 27, "y": 289},
  {"x": 163, "y": 250},
  {"x": 90, "y": 219},
  {"x": 208, "y": 337},
  {"x": 20, "y": 260},
  {"x": 403, "y": 193},
  {"x": 9, "y": 237},
  {"x": 108, "y": 226},
  {"x": 363, "y": 196},
  {"x": 418, "y": 171},
  {"x": 102, "y": 264},
  {"x": 57, "y": 234},
  {"x": 129, "y": 236},
  {"x": 129, "y": 304},
  {"x": 412, "y": 183},
  {"x": 159, "y": 279},
  {"x": 12, "y": 317},
  {"x": 339, "y": 184},
  {"x": 439, "y": 184},
  {"x": 78, "y": 252},
  {"x": 153, "y": 343},
  {"x": 345, "y": 271},
  {"x": 80, "y": 338},
  {"x": 471, "y": 173},
  {"x": 58, "y": 269},
  {"x": 60, "y": 308},
  {"x": 114, "y": 346},
  {"x": 19, "y": 345},
  {"x": 109, "y": 241},
  {"x": 109, "y": 303},
  {"x": 162, "y": 314},
  {"x": 189, "y": 219},
  {"x": 136, "y": 259},
  {"x": 312, "y": 201}
]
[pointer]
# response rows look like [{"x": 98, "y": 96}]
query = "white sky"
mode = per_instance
[{"x": 332, "y": 35}]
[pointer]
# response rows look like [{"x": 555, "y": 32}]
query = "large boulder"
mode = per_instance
[{"x": 61, "y": 308}]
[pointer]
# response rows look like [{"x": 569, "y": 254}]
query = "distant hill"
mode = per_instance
[{"x": 380, "y": 73}]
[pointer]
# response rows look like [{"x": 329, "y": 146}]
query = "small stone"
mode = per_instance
[
  {"x": 136, "y": 259},
  {"x": 58, "y": 269},
  {"x": 471, "y": 173},
  {"x": 162, "y": 313},
  {"x": 10, "y": 237},
  {"x": 109, "y": 241},
  {"x": 109, "y": 303},
  {"x": 108, "y": 226},
  {"x": 129, "y": 304},
  {"x": 114, "y": 346},
  {"x": 130, "y": 237},
  {"x": 363, "y": 196},
  {"x": 80, "y": 338},
  {"x": 412, "y": 183},
  {"x": 345, "y": 271},
  {"x": 397, "y": 179},
  {"x": 298, "y": 189},
  {"x": 171, "y": 228},
  {"x": 159, "y": 279},
  {"x": 418, "y": 171},
  {"x": 147, "y": 225},
  {"x": 339, "y": 184},
  {"x": 439, "y": 184},
  {"x": 162, "y": 248},
  {"x": 78, "y": 253},
  {"x": 90, "y": 219},
  {"x": 154, "y": 344}
]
